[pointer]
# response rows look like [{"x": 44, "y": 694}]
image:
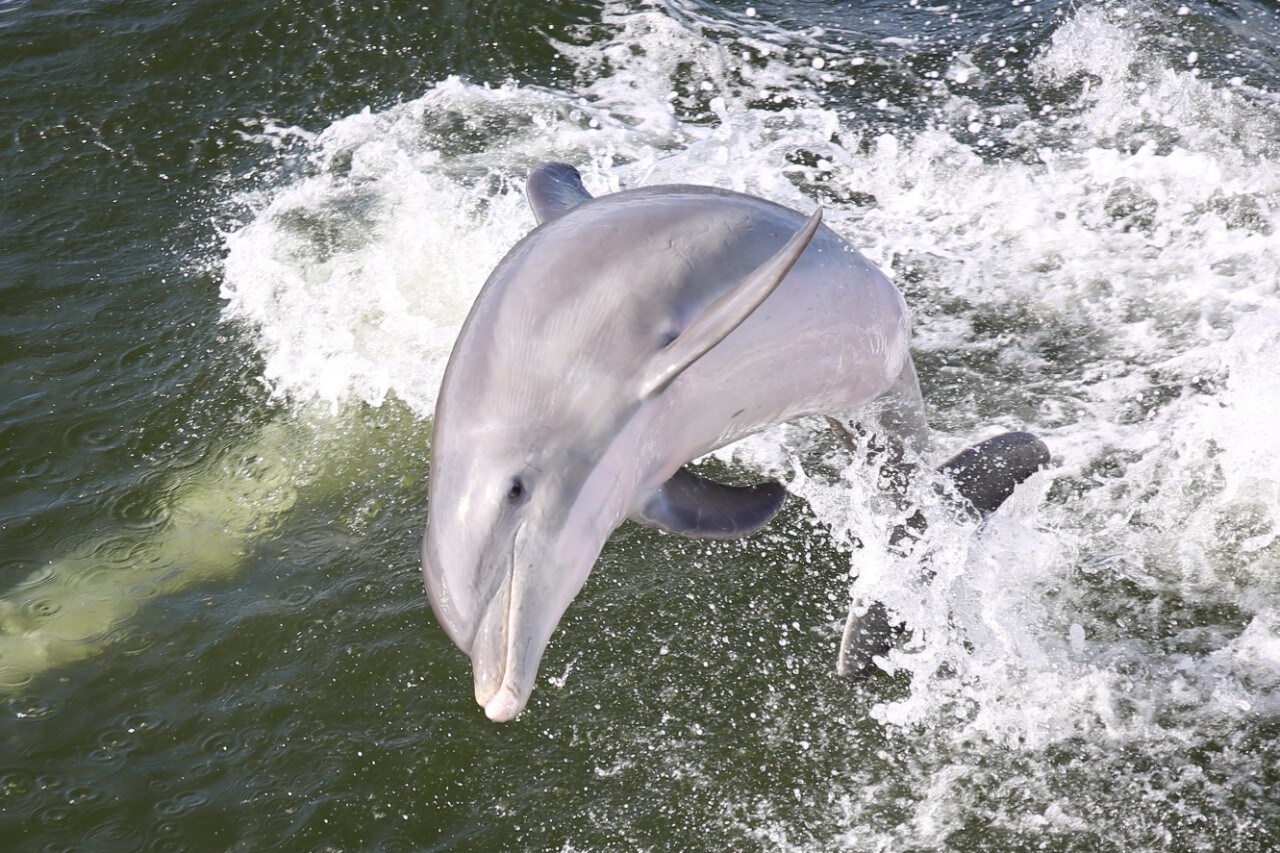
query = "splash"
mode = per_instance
[
  {"x": 1135, "y": 235},
  {"x": 1122, "y": 235}
]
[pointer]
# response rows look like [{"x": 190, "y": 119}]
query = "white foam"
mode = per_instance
[
  {"x": 358, "y": 275},
  {"x": 1181, "y": 295}
]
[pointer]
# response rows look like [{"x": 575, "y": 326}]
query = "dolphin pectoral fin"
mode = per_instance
[
  {"x": 693, "y": 506},
  {"x": 553, "y": 189},
  {"x": 986, "y": 474},
  {"x": 727, "y": 313}
]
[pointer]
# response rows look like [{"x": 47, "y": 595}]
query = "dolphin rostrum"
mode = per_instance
[{"x": 622, "y": 338}]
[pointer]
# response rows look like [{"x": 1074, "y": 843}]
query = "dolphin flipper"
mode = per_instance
[
  {"x": 986, "y": 474},
  {"x": 983, "y": 476},
  {"x": 694, "y": 506},
  {"x": 553, "y": 189}
]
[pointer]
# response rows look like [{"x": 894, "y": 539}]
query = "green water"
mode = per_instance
[{"x": 213, "y": 632}]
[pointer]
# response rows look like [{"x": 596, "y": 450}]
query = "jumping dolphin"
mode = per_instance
[{"x": 622, "y": 338}]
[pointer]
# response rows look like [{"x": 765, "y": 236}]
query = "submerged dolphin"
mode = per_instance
[{"x": 621, "y": 339}]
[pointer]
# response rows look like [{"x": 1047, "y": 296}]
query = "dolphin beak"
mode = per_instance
[
  {"x": 514, "y": 626},
  {"x": 500, "y": 692},
  {"x": 482, "y": 628}
]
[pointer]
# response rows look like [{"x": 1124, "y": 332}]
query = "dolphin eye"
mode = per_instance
[{"x": 516, "y": 491}]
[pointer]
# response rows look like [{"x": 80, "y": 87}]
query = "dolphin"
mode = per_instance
[{"x": 622, "y": 338}]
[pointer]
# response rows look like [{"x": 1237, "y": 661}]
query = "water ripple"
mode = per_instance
[
  {"x": 94, "y": 434},
  {"x": 181, "y": 804}
]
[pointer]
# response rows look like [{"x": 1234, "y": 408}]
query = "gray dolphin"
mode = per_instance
[{"x": 622, "y": 338}]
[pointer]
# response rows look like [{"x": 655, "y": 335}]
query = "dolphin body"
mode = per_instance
[{"x": 621, "y": 339}]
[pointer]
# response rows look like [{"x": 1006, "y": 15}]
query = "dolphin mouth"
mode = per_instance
[
  {"x": 490, "y": 656},
  {"x": 503, "y": 681},
  {"x": 505, "y": 706},
  {"x": 503, "y": 620}
]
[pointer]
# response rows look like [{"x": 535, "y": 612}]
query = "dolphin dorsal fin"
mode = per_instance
[
  {"x": 553, "y": 189},
  {"x": 694, "y": 506},
  {"x": 727, "y": 313}
]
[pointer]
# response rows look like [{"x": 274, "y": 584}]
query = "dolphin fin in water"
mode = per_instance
[
  {"x": 982, "y": 477},
  {"x": 553, "y": 190},
  {"x": 694, "y": 506},
  {"x": 986, "y": 474}
]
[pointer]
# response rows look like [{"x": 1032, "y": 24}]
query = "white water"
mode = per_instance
[{"x": 1127, "y": 598}]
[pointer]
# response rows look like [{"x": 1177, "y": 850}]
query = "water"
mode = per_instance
[{"x": 238, "y": 240}]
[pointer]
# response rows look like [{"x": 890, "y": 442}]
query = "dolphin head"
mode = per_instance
[
  {"x": 508, "y": 546},
  {"x": 528, "y": 473}
]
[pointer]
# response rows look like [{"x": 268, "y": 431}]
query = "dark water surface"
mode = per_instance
[{"x": 236, "y": 240}]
